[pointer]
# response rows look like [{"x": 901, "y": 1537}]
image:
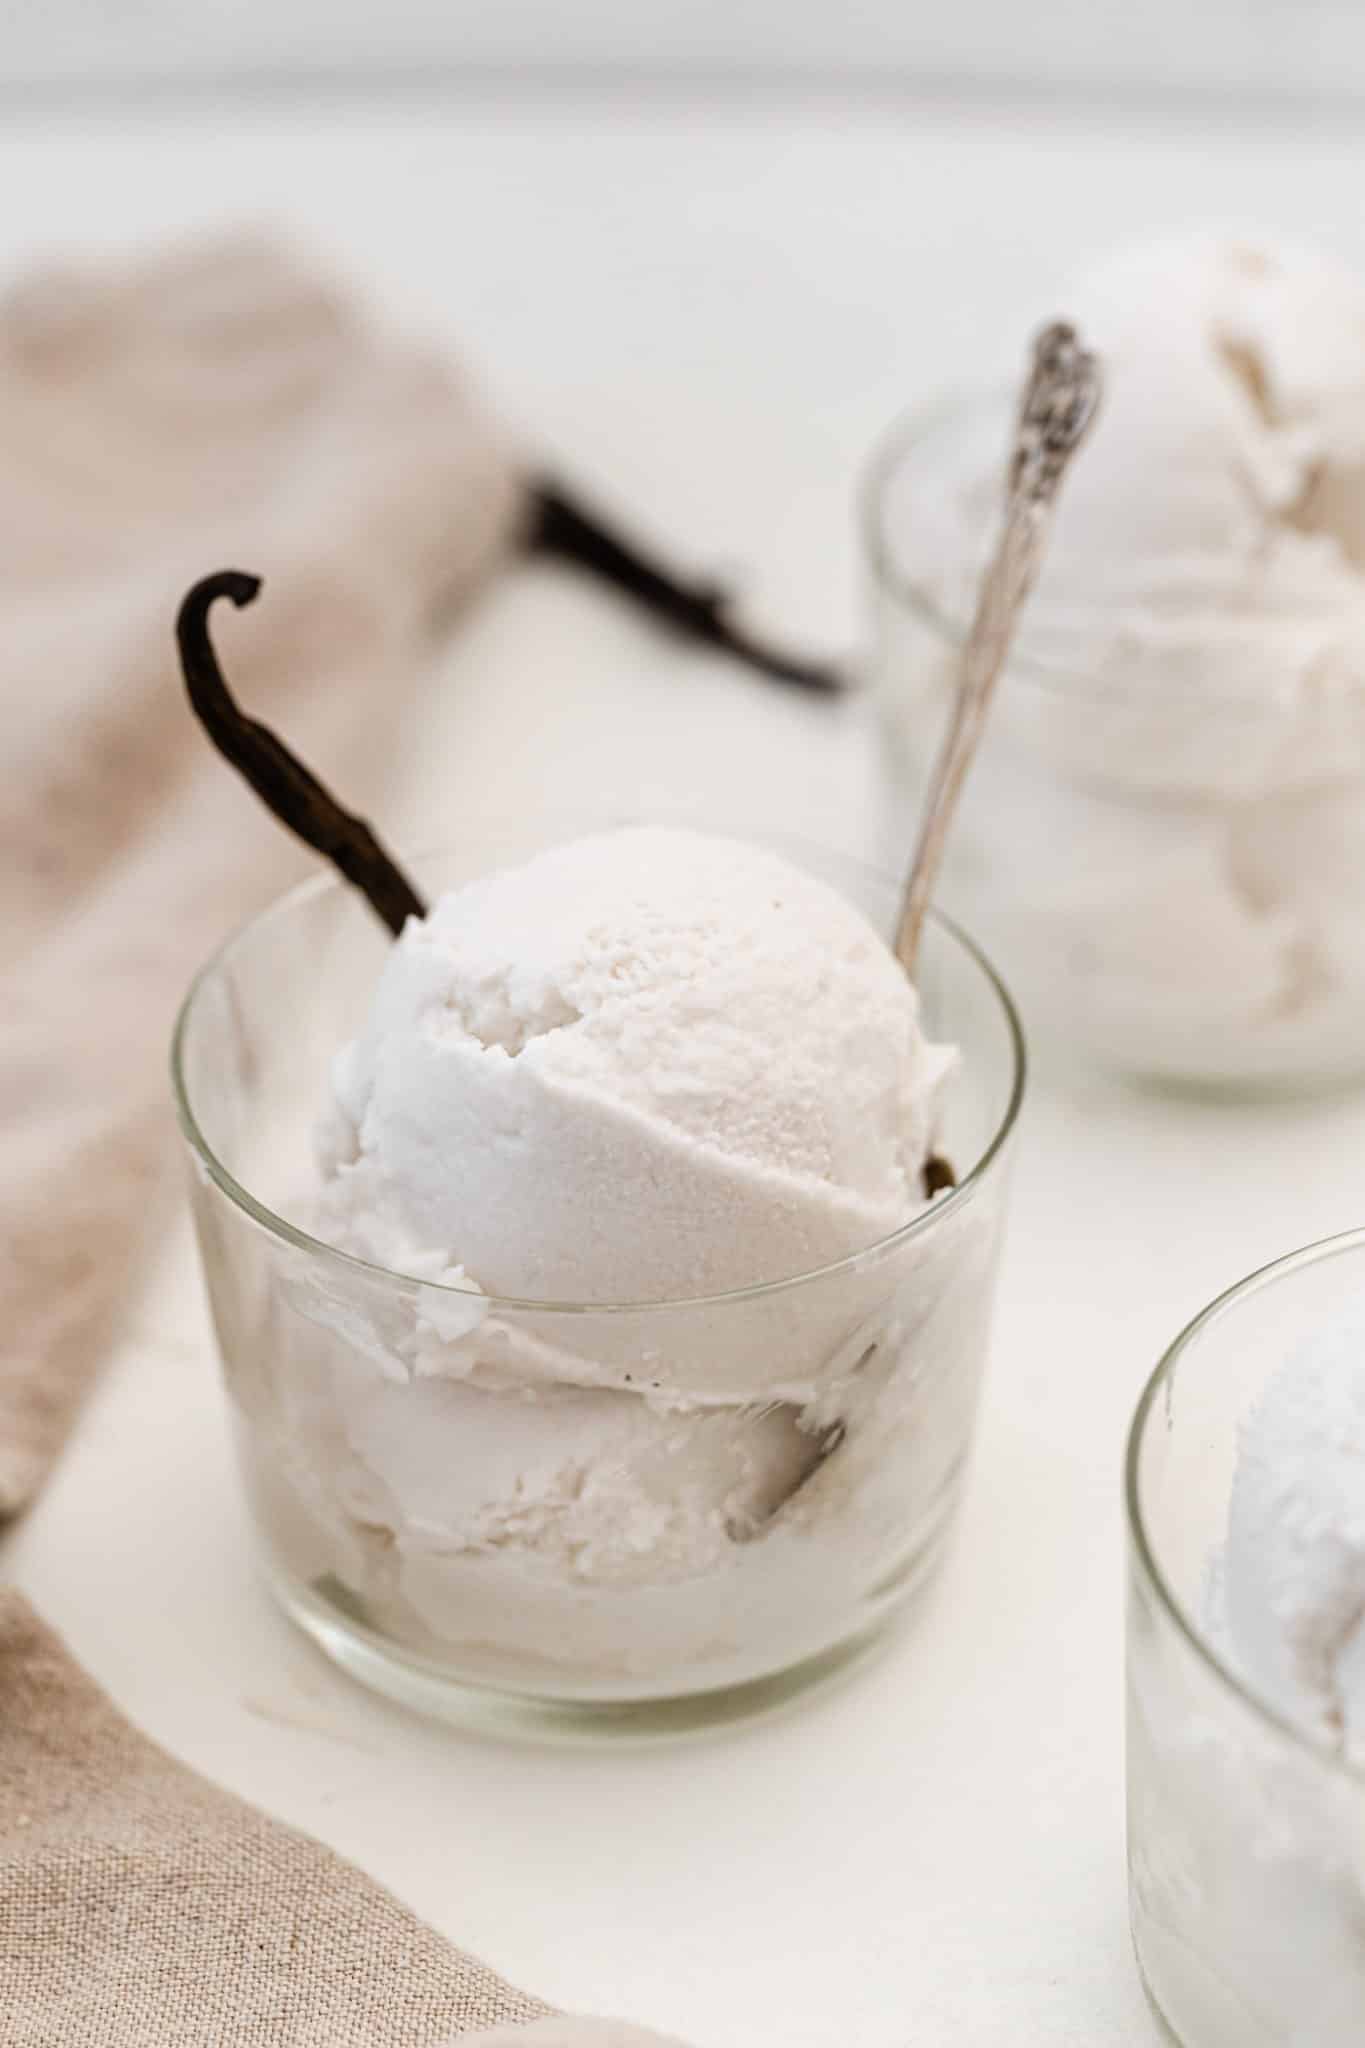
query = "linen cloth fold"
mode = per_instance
[
  {"x": 141, "y": 1907},
  {"x": 217, "y": 407}
]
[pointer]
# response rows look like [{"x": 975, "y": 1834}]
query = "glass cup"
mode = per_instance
[
  {"x": 1246, "y": 1835},
  {"x": 674, "y": 1561},
  {"x": 1165, "y": 854}
]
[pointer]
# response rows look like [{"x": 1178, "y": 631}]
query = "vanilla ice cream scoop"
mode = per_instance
[
  {"x": 1224, "y": 494},
  {"x": 1293, "y": 1570},
  {"x": 626, "y": 1343},
  {"x": 647, "y": 1065},
  {"x": 1164, "y": 838}
]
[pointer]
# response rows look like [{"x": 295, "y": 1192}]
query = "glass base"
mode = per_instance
[
  {"x": 543, "y": 1718},
  {"x": 1164, "y": 2027},
  {"x": 1211, "y": 2015}
]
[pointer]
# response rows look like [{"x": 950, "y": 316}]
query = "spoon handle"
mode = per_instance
[{"x": 1057, "y": 407}]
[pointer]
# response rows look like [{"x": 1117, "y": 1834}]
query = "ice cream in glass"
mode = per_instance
[
  {"x": 1164, "y": 839},
  {"x": 601, "y": 1240},
  {"x": 1246, "y": 1663}
]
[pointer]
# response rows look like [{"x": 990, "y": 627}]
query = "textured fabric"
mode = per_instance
[
  {"x": 216, "y": 408},
  {"x": 142, "y": 1908}
]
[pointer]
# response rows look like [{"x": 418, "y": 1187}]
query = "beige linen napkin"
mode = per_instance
[
  {"x": 140, "y": 1907},
  {"x": 218, "y": 407}
]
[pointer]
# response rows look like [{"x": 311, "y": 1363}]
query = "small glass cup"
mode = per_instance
[
  {"x": 1166, "y": 856},
  {"x": 748, "y": 1550},
  {"x": 1246, "y": 1835}
]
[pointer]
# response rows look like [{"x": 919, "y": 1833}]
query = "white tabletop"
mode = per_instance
[{"x": 714, "y": 308}]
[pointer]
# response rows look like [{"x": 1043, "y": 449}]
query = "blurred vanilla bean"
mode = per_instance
[
  {"x": 1057, "y": 407},
  {"x": 563, "y": 527}
]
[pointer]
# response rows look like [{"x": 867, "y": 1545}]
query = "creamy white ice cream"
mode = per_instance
[
  {"x": 648, "y": 1068},
  {"x": 1219, "y": 517},
  {"x": 1249, "y": 1848},
  {"x": 1175, "y": 819},
  {"x": 1293, "y": 1570}
]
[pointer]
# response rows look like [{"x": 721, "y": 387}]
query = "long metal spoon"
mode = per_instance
[{"x": 1057, "y": 407}]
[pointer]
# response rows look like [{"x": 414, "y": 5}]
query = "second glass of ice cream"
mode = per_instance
[
  {"x": 1163, "y": 841},
  {"x": 625, "y": 1357},
  {"x": 1246, "y": 1663}
]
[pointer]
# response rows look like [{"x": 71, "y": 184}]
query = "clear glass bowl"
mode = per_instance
[
  {"x": 1246, "y": 1836},
  {"x": 1166, "y": 855},
  {"x": 361, "y": 1445}
]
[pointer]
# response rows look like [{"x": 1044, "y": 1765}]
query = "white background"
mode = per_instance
[
  {"x": 716, "y": 307},
  {"x": 1265, "y": 46}
]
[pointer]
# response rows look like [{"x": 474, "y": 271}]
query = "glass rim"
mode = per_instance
[
  {"x": 889, "y": 452},
  {"x": 266, "y": 1218},
  {"x": 1056, "y": 679},
  {"x": 1143, "y": 1548}
]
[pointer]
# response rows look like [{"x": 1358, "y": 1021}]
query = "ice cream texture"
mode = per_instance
[
  {"x": 646, "y": 1066},
  {"x": 1249, "y": 1882},
  {"x": 1221, "y": 508},
  {"x": 1293, "y": 1570},
  {"x": 612, "y": 1102},
  {"x": 1170, "y": 809}
]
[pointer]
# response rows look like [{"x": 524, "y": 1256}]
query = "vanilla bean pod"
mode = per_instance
[
  {"x": 561, "y": 526},
  {"x": 279, "y": 778}
]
